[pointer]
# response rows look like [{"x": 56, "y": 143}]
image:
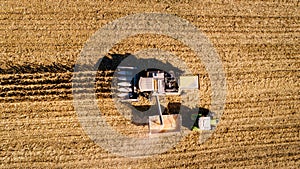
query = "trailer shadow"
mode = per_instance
[{"x": 190, "y": 116}]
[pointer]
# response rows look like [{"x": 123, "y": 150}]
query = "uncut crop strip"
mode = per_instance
[{"x": 51, "y": 86}]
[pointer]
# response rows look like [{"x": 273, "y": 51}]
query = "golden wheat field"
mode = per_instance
[{"x": 257, "y": 42}]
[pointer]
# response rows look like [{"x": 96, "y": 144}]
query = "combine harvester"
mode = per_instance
[{"x": 151, "y": 83}]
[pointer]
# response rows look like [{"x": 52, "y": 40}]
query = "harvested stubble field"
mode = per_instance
[{"x": 257, "y": 42}]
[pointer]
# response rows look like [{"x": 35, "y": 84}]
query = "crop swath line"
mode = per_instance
[{"x": 52, "y": 86}]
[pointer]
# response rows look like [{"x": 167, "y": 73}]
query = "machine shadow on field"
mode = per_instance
[{"x": 108, "y": 65}]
